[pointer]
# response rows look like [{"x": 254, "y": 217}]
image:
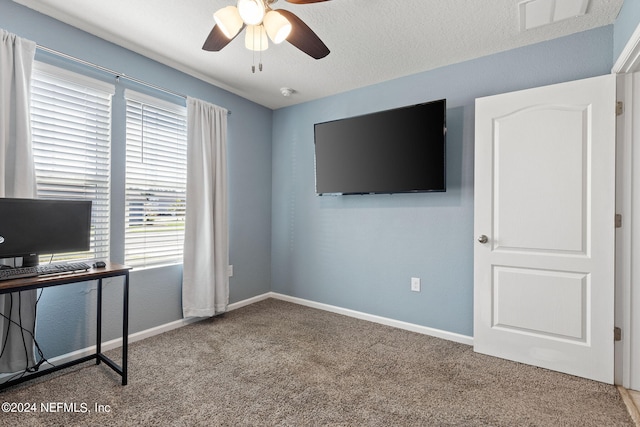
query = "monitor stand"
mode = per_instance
[{"x": 30, "y": 260}]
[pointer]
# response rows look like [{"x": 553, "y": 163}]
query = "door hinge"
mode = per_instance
[
  {"x": 618, "y": 221},
  {"x": 619, "y": 108},
  {"x": 617, "y": 334}
]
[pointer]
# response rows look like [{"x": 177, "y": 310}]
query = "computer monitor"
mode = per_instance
[{"x": 32, "y": 227}]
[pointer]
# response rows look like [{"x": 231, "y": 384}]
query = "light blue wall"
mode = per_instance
[
  {"x": 359, "y": 252},
  {"x": 65, "y": 315},
  {"x": 356, "y": 252},
  {"x": 625, "y": 25}
]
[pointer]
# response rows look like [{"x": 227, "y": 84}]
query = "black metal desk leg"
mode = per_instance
[
  {"x": 110, "y": 270},
  {"x": 99, "y": 323},
  {"x": 125, "y": 328}
]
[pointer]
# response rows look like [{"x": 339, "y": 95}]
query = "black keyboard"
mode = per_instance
[{"x": 42, "y": 270}]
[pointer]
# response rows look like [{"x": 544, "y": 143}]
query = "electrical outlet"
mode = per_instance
[
  {"x": 415, "y": 284},
  {"x": 230, "y": 270}
]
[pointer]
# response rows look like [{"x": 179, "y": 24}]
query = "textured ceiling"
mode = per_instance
[{"x": 370, "y": 40}]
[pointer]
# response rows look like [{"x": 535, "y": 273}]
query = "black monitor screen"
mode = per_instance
[{"x": 42, "y": 226}]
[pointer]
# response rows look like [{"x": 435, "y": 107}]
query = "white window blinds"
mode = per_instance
[
  {"x": 71, "y": 125},
  {"x": 155, "y": 181}
]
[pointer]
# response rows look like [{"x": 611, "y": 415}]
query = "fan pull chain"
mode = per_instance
[
  {"x": 260, "y": 64},
  {"x": 253, "y": 54},
  {"x": 253, "y": 57}
]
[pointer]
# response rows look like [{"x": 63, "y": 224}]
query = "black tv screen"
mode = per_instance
[
  {"x": 394, "y": 151},
  {"x": 42, "y": 226}
]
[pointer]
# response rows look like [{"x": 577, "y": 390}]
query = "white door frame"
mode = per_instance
[{"x": 628, "y": 236}]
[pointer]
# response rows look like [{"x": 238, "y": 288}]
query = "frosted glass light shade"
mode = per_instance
[
  {"x": 277, "y": 26},
  {"x": 256, "y": 38},
  {"x": 251, "y": 11},
  {"x": 228, "y": 20}
]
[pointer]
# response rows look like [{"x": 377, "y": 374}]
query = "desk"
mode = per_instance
[{"x": 111, "y": 270}]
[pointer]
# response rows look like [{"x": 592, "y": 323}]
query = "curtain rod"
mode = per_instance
[{"x": 112, "y": 72}]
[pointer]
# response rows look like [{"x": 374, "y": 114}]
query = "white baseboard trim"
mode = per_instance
[
  {"x": 249, "y": 301},
  {"x": 157, "y": 330},
  {"x": 115, "y": 343},
  {"x": 147, "y": 333},
  {"x": 438, "y": 333}
]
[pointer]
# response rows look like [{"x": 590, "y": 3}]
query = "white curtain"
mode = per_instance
[
  {"x": 205, "y": 283},
  {"x": 17, "y": 179}
]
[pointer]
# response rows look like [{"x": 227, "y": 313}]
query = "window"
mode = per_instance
[
  {"x": 156, "y": 181},
  {"x": 71, "y": 125}
]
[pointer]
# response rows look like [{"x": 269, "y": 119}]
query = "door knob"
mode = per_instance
[{"x": 483, "y": 239}]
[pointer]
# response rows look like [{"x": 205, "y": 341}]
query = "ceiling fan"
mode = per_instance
[{"x": 261, "y": 20}]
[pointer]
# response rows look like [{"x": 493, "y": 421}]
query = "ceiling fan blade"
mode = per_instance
[
  {"x": 216, "y": 40},
  {"x": 305, "y": 1},
  {"x": 303, "y": 37}
]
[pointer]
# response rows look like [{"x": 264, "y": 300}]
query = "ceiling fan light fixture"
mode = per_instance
[
  {"x": 229, "y": 21},
  {"x": 263, "y": 23},
  {"x": 256, "y": 38},
  {"x": 251, "y": 11},
  {"x": 278, "y": 27}
]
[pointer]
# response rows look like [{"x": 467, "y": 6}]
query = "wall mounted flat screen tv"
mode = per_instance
[{"x": 395, "y": 151}]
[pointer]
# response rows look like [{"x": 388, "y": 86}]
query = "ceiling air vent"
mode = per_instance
[{"x": 536, "y": 13}]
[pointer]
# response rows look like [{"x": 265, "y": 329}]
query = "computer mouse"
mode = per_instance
[{"x": 99, "y": 264}]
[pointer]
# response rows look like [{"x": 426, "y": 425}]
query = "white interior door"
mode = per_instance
[{"x": 544, "y": 220}]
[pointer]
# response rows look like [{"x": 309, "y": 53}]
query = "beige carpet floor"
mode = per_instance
[{"x": 277, "y": 363}]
